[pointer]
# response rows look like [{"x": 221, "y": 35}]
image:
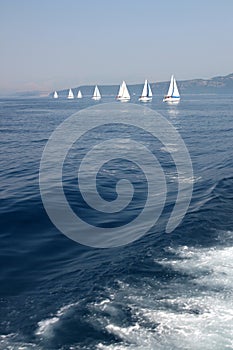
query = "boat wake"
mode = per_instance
[{"x": 195, "y": 307}]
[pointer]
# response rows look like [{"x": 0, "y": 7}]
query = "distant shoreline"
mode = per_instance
[{"x": 215, "y": 85}]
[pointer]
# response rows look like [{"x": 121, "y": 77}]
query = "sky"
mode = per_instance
[{"x": 49, "y": 45}]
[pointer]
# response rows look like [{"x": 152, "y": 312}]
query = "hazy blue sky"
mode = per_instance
[{"x": 49, "y": 45}]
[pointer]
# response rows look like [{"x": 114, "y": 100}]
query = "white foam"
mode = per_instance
[
  {"x": 194, "y": 312},
  {"x": 46, "y": 326},
  {"x": 212, "y": 267},
  {"x": 9, "y": 342}
]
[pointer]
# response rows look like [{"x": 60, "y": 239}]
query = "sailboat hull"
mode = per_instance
[
  {"x": 123, "y": 99},
  {"x": 96, "y": 98},
  {"x": 145, "y": 99},
  {"x": 171, "y": 100}
]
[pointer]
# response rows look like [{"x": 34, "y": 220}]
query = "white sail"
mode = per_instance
[
  {"x": 145, "y": 89},
  {"x": 96, "y": 94},
  {"x": 173, "y": 95},
  {"x": 146, "y": 93},
  {"x": 170, "y": 90},
  {"x": 123, "y": 94},
  {"x": 175, "y": 89},
  {"x": 149, "y": 91},
  {"x": 55, "y": 95},
  {"x": 120, "y": 93},
  {"x": 70, "y": 94},
  {"x": 79, "y": 94}
]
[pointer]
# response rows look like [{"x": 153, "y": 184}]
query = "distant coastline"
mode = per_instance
[{"x": 219, "y": 84}]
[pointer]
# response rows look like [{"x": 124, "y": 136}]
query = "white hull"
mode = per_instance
[
  {"x": 145, "y": 99},
  {"x": 96, "y": 98},
  {"x": 171, "y": 100},
  {"x": 70, "y": 98},
  {"x": 123, "y": 99}
]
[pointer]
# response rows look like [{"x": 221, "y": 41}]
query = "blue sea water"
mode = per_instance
[{"x": 163, "y": 291}]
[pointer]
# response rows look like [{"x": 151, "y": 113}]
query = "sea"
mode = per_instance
[{"x": 161, "y": 291}]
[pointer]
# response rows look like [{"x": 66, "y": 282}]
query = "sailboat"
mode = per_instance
[
  {"x": 55, "y": 95},
  {"x": 79, "y": 94},
  {"x": 146, "y": 93},
  {"x": 96, "y": 95},
  {"x": 70, "y": 94},
  {"x": 173, "y": 95},
  {"x": 123, "y": 94}
]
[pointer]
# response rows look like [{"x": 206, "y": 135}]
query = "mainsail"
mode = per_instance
[
  {"x": 96, "y": 94},
  {"x": 79, "y": 94},
  {"x": 123, "y": 94},
  {"x": 55, "y": 95},
  {"x": 70, "y": 94},
  {"x": 146, "y": 92}
]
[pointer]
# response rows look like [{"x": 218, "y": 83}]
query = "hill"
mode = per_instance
[{"x": 220, "y": 84}]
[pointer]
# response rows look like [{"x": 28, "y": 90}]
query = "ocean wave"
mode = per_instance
[
  {"x": 10, "y": 342},
  {"x": 47, "y": 326}
]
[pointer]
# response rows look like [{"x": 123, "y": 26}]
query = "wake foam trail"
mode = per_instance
[{"x": 192, "y": 310}]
